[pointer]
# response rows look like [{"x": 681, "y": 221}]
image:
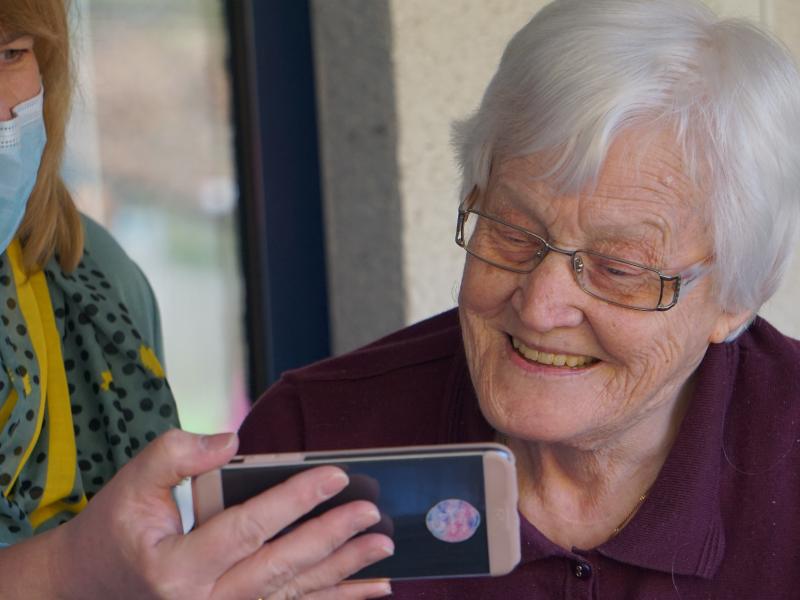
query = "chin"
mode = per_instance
[{"x": 536, "y": 417}]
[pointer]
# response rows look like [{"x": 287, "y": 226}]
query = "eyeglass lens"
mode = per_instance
[{"x": 604, "y": 277}]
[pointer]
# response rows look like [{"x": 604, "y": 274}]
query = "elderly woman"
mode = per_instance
[
  {"x": 82, "y": 392},
  {"x": 630, "y": 192}
]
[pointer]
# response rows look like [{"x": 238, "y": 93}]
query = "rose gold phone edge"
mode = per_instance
[{"x": 499, "y": 478}]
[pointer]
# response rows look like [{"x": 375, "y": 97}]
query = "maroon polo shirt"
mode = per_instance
[{"x": 721, "y": 521}]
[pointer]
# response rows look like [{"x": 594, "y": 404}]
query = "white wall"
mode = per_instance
[
  {"x": 783, "y": 17},
  {"x": 385, "y": 127},
  {"x": 444, "y": 55}
]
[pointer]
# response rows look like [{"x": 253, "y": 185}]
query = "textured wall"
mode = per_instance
[
  {"x": 444, "y": 54},
  {"x": 393, "y": 75},
  {"x": 783, "y": 17}
]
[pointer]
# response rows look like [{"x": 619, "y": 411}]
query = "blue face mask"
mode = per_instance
[{"x": 22, "y": 142}]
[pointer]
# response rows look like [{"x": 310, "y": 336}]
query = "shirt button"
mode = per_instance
[{"x": 583, "y": 570}]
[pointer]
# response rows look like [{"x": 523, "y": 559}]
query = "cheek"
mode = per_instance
[
  {"x": 647, "y": 341},
  {"x": 482, "y": 299},
  {"x": 23, "y": 84},
  {"x": 34, "y": 83},
  {"x": 485, "y": 290},
  {"x": 33, "y": 76},
  {"x": 654, "y": 357},
  {"x": 483, "y": 346},
  {"x": 478, "y": 334}
]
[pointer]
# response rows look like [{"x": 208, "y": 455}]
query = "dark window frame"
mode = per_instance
[{"x": 282, "y": 242}]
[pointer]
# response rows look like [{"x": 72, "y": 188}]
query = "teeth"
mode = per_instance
[{"x": 547, "y": 358}]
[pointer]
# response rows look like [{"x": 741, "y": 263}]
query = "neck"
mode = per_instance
[{"x": 580, "y": 494}]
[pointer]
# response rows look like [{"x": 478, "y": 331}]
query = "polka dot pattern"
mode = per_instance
[{"x": 118, "y": 402}]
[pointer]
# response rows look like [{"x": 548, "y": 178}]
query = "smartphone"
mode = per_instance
[{"x": 451, "y": 510}]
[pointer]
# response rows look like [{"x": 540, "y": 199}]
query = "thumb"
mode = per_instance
[{"x": 177, "y": 454}]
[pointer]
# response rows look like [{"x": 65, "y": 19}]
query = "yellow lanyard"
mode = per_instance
[{"x": 37, "y": 310}]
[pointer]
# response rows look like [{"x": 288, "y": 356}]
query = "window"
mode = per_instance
[{"x": 150, "y": 157}]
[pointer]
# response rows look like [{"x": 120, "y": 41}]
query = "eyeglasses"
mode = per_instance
[{"x": 614, "y": 280}]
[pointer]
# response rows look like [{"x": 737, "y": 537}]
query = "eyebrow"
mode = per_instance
[
  {"x": 8, "y": 38},
  {"x": 646, "y": 229},
  {"x": 510, "y": 198}
]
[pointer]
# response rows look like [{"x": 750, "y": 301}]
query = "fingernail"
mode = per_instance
[
  {"x": 366, "y": 519},
  {"x": 218, "y": 441},
  {"x": 386, "y": 549},
  {"x": 385, "y": 589},
  {"x": 334, "y": 484}
]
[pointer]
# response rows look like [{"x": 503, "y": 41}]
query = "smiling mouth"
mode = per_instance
[{"x": 571, "y": 361}]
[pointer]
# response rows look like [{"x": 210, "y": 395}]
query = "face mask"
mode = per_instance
[{"x": 22, "y": 142}]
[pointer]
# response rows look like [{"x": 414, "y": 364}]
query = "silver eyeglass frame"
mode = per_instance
[{"x": 681, "y": 280}]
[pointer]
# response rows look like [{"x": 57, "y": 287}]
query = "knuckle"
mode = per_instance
[
  {"x": 300, "y": 495},
  {"x": 332, "y": 575},
  {"x": 171, "y": 441},
  {"x": 331, "y": 542},
  {"x": 304, "y": 490},
  {"x": 248, "y": 528},
  {"x": 281, "y": 574}
]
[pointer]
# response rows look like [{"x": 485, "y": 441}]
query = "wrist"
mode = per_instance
[{"x": 34, "y": 568}]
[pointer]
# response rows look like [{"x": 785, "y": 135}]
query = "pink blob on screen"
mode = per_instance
[{"x": 453, "y": 520}]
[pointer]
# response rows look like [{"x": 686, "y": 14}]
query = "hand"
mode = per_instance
[{"x": 127, "y": 543}]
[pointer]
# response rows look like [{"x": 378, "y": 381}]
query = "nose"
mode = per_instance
[{"x": 549, "y": 297}]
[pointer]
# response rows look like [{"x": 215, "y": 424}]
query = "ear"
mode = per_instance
[{"x": 727, "y": 323}]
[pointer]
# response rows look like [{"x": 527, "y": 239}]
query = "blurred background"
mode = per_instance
[{"x": 281, "y": 169}]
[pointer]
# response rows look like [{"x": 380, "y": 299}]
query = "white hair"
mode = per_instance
[{"x": 582, "y": 71}]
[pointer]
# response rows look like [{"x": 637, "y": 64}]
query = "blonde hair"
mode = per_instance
[{"x": 52, "y": 224}]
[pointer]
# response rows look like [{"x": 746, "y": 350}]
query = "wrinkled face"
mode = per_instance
[
  {"x": 621, "y": 371},
  {"x": 19, "y": 72}
]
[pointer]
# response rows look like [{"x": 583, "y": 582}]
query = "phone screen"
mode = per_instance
[{"x": 433, "y": 508}]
